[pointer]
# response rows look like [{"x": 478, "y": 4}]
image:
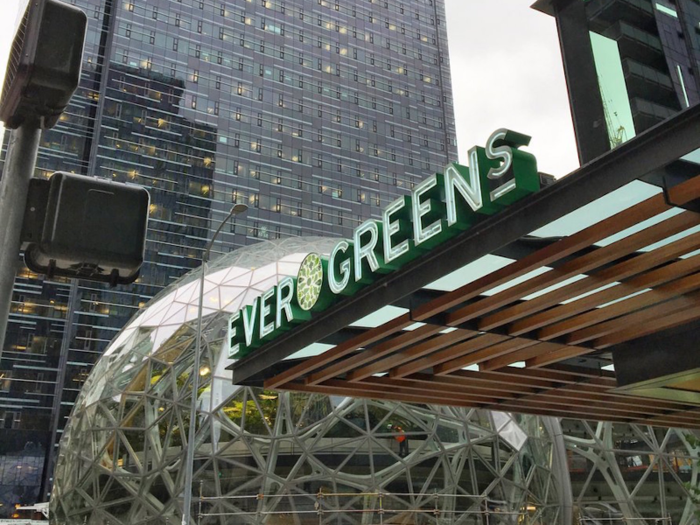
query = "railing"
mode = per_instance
[
  {"x": 373, "y": 507},
  {"x": 588, "y": 520}
]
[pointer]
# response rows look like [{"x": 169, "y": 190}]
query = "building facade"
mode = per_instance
[
  {"x": 629, "y": 65},
  {"x": 315, "y": 113}
]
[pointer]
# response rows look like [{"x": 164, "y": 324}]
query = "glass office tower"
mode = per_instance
[{"x": 315, "y": 113}]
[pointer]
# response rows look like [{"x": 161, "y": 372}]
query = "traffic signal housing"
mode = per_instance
[
  {"x": 44, "y": 65},
  {"x": 85, "y": 228}
]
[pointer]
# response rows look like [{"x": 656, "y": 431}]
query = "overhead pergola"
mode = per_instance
[{"x": 529, "y": 310}]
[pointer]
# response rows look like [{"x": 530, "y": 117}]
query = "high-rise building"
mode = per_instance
[
  {"x": 629, "y": 64},
  {"x": 315, "y": 113}
]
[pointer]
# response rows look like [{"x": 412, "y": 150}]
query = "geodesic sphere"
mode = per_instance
[{"x": 270, "y": 457}]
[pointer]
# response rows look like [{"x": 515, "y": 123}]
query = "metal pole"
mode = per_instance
[
  {"x": 14, "y": 187},
  {"x": 189, "y": 462}
]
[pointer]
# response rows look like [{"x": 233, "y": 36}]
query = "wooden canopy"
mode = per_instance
[{"x": 539, "y": 334}]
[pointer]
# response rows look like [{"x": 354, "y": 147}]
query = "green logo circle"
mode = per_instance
[{"x": 309, "y": 281}]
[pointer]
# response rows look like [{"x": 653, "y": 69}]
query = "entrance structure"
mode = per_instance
[{"x": 531, "y": 309}]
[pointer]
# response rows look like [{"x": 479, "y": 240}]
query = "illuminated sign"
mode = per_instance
[{"x": 437, "y": 209}]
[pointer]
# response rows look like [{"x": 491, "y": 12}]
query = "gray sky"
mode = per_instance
[{"x": 506, "y": 72}]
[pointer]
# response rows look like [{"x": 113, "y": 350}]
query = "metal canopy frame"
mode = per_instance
[{"x": 427, "y": 364}]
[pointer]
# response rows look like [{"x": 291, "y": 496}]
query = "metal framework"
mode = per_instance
[
  {"x": 630, "y": 275},
  {"x": 122, "y": 457}
]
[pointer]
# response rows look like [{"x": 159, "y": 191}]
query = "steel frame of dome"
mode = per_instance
[
  {"x": 269, "y": 457},
  {"x": 121, "y": 456}
]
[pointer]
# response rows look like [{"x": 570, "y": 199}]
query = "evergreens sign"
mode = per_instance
[{"x": 438, "y": 208}]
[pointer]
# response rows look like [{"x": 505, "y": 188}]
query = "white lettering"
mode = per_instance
[
  {"x": 249, "y": 321},
  {"x": 233, "y": 334},
  {"x": 366, "y": 250},
  {"x": 469, "y": 190},
  {"x": 421, "y": 209},
  {"x": 504, "y": 154},
  {"x": 285, "y": 294},
  {"x": 338, "y": 286},
  {"x": 265, "y": 310},
  {"x": 391, "y": 228}
]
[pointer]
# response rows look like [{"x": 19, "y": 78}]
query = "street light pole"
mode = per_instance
[
  {"x": 237, "y": 209},
  {"x": 14, "y": 188}
]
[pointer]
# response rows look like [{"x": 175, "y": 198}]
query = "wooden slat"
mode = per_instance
[
  {"x": 591, "y": 410},
  {"x": 376, "y": 352},
  {"x": 640, "y": 401},
  {"x": 571, "y": 395},
  {"x": 583, "y": 264},
  {"x": 414, "y": 352},
  {"x": 353, "y": 391},
  {"x": 445, "y": 355},
  {"x": 433, "y": 384},
  {"x": 340, "y": 351},
  {"x": 376, "y": 384},
  {"x": 575, "y": 412},
  {"x": 520, "y": 355},
  {"x": 555, "y": 252},
  {"x": 600, "y": 378},
  {"x": 561, "y": 354},
  {"x": 657, "y": 324},
  {"x": 635, "y": 318},
  {"x": 650, "y": 298},
  {"x": 648, "y": 280},
  {"x": 687, "y": 416},
  {"x": 603, "y": 277},
  {"x": 479, "y": 356},
  {"x": 603, "y": 410}
]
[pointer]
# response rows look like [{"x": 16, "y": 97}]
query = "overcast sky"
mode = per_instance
[{"x": 506, "y": 72}]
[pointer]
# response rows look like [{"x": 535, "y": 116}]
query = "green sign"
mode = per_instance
[{"x": 438, "y": 208}]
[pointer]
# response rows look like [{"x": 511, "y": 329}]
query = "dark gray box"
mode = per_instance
[
  {"x": 44, "y": 65},
  {"x": 93, "y": 229}
]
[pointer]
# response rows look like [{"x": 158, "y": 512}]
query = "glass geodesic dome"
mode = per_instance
[{"x": 279, "y": 458}]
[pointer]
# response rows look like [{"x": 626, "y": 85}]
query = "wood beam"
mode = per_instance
[
  {"x": 340, "y": 351},
  {"x": 583, "y": 264},
  {"x": 618, "y": 272}
]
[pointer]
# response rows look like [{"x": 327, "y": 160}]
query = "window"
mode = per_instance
[
  {"x": 93, "y": 304},
  {"x": 5, "y": 381},
  {"x": 11, "y": 419}
]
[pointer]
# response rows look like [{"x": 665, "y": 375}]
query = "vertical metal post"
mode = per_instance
[
  {"x": 586, "y": 102},
  {"x": 191, "y": 435},
  {"x": 201, "y": 490},
  {"x": 14, "y": 187}
]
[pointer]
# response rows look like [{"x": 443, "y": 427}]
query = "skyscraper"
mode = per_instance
[
  {"x": 628, "y": 64},
  {"x": 315, "y": 113}
]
